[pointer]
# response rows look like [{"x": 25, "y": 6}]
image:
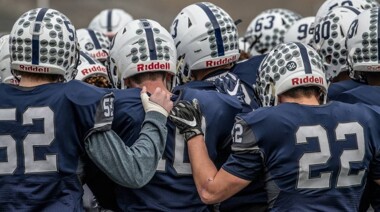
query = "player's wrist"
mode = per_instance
[
  {"x": 152, "y": 106},
  {"x": 195, "y": 138},
  {"x": 192, "y": 134}
]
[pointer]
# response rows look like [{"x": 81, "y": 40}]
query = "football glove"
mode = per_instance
[
  {"x": 150, "y": 105},
  {"x": 188, "y": 118}
]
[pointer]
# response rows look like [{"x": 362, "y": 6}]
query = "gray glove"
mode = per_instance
[{"x": 188, "y": 118}]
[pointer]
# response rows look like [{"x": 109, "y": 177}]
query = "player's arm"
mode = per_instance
[
  {"x": 133, "y": 166},
  {"x": 213, "y": 186}
]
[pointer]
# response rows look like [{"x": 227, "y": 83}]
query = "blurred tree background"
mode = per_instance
[{"x": 81, "y": 12}]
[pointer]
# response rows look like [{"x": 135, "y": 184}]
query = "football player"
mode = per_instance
[
  {"x": 301, "y": 31},
  {"x": 92, "y": 71},
  {"x": 94, "y": 43},
  {"x": 267, "y": 29},
  {"x": 50, "y": 122},
  {"x": 143, "y": 53},
  {"x": 329, "y": 40},
  {"x": 109, "y": 21},
  {"x": 5, "y": 62},
  {"x": 207, "y": 50},
  {"x": 363, "y": 52},
  {"x": 315, "y": 156}
]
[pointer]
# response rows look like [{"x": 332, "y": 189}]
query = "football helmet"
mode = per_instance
[
  {"x": 205, "y": 36},
  {"x": 363, "y": 44},
  {"x": 141, "y": 46},
  {"x": 110, "y": 21},
  {"x": 301, "y": 31},
  {"x": 89, "y": 67},
  {"x": 331, "y": 4},
  {"x": 288, "y": 66},
  {"x": 5, "y": 62},
  {"x": 330, "y": 36},
  {"x": 43, "y": 41},
  {"x": 94, "y": 43},
  {"x": 267, "y": 30}
]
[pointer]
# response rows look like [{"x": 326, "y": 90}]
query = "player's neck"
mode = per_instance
[
  {"x": 202, "y": 73},
  {"x": 299, "y": 100},
  {"x": 151, "y": 85},
  {"x": 342, "y": 76},
  {"x": 32, "y": 82}
]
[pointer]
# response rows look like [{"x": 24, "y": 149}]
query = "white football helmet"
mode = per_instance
[
  {"x": 94, "y": 43},
  {"x": 363, "y": 44},
  {"x": 43, "y": 41},
  {"x": 205, "y": 36},
  {"x": 141, "y": 46},
  {"x": 301, "y": 31},
  {"x": 288, "y": 66},
  {"x": 110, "y": 21},
  {"x": 267, "y": 30},
  {"x": 89, "y": 67},
  {"x": 5, "y": 62},
  {"x": 331, "y": 4},
  {"x": 329, "y": 39}
]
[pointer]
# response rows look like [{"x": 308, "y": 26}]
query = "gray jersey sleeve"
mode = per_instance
[{"x": 133, "y": 166}]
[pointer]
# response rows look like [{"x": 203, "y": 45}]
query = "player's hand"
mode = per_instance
[
  {"x": 159, "y": 101},
  {"x": 188, "y": 118},
  {"x": 231, "y": 85}
]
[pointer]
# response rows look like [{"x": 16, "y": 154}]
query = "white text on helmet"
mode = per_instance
[
  {"x": 153, "y": 66},
  {"x": 93, "y": 69},
  {"x": 307, "y": 80},
  {"x": 34, "y": 69},
  {"x": 214, "y": 63}
]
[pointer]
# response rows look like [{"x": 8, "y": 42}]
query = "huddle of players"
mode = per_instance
[{"x": 236, "y": 140}]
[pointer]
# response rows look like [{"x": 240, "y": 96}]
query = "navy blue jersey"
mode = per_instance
[
  {"x": 366, "y": 94},
  {"x": 172, "y": 188},
  {"x": 336, "y": 88},
  {"x": 42, "y": 135},
  {"x": 315, "y": 163},
  {"x": 255, "y": 192},
  {"x": 129, "y": 115},
  {"x": 361, "y": 94},
  {"x": 247, "y": 71}
]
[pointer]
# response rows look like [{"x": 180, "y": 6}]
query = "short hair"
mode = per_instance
[
  {"x": 47, "y": 77},
  {"x": 98, "y": 81},
  {"x": 139, "y": 78},
  {"x": 303, "y": 91}
]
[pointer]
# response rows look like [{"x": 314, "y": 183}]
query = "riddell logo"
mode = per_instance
[
  {"x": 213, "y": 63},
  {"x": 373, "y": 68},
  {"x": 94, "y": 69},
  {"x": 99, "y": 54},
  {"x": 34, "y": 69},
  {"x": 153, "y": 66},
  {"x": 307, "y": 79}
]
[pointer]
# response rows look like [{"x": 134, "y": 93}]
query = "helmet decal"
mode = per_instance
[
  {"x": 150, "y": 39},
  {"x": 44, "y": 41},
  {"x": 215, "y": 27}
]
